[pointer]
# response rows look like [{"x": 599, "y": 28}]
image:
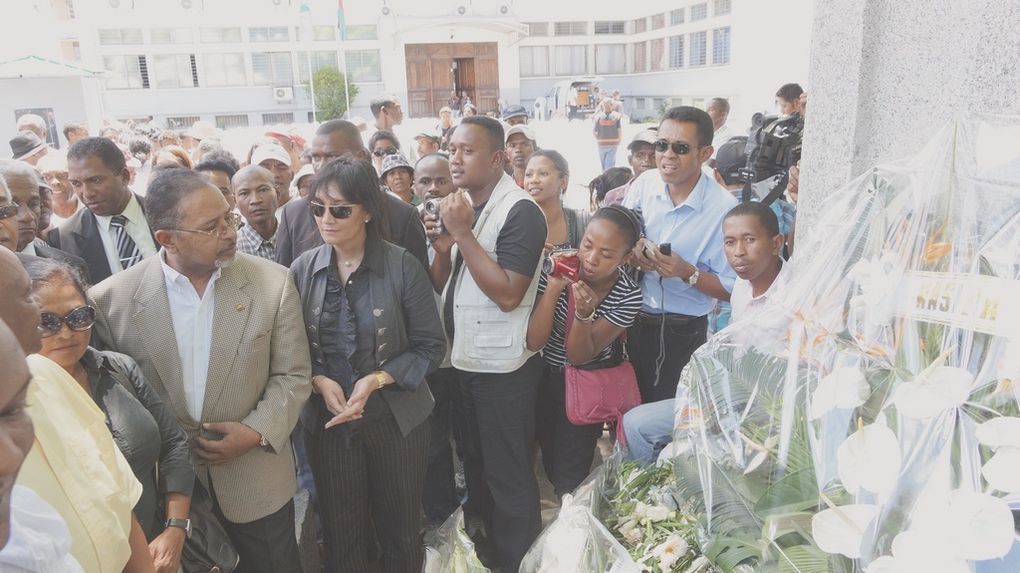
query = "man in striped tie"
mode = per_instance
[{"x": 111, "y": 233}]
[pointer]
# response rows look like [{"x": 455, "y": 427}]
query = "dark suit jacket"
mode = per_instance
[
  {"x": 44, "y": 251},
  {"x": 298, "y": 233},
  {"x": 79, "y": 236}
]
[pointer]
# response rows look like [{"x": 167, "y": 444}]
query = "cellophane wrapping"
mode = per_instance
[{"x": 867, "y": 419}]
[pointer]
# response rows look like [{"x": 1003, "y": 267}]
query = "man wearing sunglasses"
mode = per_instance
[
  {"x": 297, "y": 232},
  {"x": 683, "y": 208},
  {"x": 221, "y": 337}
]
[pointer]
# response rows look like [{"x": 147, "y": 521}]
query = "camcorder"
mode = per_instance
[
  {"x": 563, "y": 264},
  {"x": 773, "y": 147}
]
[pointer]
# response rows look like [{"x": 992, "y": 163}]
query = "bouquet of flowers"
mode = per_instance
[
  {"x": 454, "y": 551},
  {"x": 868, "y": 419}
]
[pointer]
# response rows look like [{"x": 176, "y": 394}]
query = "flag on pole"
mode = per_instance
[{"x": 340, "y": 22}]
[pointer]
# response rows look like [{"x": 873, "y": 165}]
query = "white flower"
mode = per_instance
[
  {"x": 998, "y": 432},
  {"x": 652, "y": 513},
  {"x": 841, "y": 529},
  {"x": 1002, "y": 471},
  {"x": 913, "y": 553},
  {"x": 670, "y": 551},
  {"x": 878, "y": 279},
  {"x": 869, "y": 459},
  {"x": 843, "y": 388},
  {"x": 981, "y": 525},
  {"x": 933, "y": 392}
]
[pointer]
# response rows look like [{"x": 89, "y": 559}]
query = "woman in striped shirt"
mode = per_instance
[{"x": 606, "y": 301}]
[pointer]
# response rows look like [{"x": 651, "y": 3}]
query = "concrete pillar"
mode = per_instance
[{"x": 885, "y": 74}]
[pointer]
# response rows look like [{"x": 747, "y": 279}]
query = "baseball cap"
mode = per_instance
[
  {"x": 428, "y": 134},
  {"x": 270, "y": 151},
  {"x": 292, "y": 137},
  {"x": 527, "y": 131},
  {"x": 648, "y": 136},
  {"x": 730, "y": 159},
  {"x": 514, "y": 111}
]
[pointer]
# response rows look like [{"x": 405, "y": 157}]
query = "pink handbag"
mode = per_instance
[{"x": 597, "y": 395}]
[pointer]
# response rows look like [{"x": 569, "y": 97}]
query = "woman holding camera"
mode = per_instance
[
  {"x": 374, "y": 333},
  {"x": 605, "y": 302}
]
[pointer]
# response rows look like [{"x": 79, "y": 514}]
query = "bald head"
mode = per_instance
[
  {"x": 335, "y": 138},
  {"x": 249, "y": 173},
  {"x": 17, "y": 305}
]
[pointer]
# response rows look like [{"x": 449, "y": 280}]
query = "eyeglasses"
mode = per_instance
[
  {"x": 679, "y": 147},
  {"x": 8, "y": 211},
  {"x": 232, "y": 220},
  {"x": 336, "y": 211},
  {"x": 78, "y": 320},
  {"x": 385, "y": 151}
]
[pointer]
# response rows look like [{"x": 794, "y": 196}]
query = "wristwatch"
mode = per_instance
[
  {"x": 693, "y": 279},
  {"x": 263, "y": 442},
  {"x": 184, "y": 524}
]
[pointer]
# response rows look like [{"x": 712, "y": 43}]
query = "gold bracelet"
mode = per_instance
[
  {"x": 380, "y": 378},
  {"x": 587, "y": 319}
]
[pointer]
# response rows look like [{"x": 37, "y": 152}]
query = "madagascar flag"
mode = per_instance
[{"x": 340, "y": 22}]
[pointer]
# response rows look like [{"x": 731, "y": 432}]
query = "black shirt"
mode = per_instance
[{"x": 518, "y": 248}]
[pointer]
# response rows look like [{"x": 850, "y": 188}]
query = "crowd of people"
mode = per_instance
[{"x": 206, "y": 334}]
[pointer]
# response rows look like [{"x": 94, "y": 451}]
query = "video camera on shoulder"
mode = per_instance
[{"x": 773, "y": 147}]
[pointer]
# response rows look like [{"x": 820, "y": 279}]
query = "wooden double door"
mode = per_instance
[{"x": 435, "y": 70}]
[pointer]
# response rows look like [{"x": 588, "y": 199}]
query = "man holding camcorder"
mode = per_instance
[{"x": 681, "y": 254}]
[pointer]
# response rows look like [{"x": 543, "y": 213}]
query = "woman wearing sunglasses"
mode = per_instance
[
  {"x": 382, "y": 143},
  {"x": 143, "y": 427},
  {"x": 374, "y": 333}
]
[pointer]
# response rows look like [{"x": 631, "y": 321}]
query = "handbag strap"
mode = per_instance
[{"x": 570, "y": 316}]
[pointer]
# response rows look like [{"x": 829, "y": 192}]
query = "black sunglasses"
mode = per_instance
[
  {"x": 337, "y": 211},
  {"x": 8, "y": 211},
  {"x": 679, "y": 147},
  {"x": 78, "y": 320},
  {"x": 385, "y": 151}
]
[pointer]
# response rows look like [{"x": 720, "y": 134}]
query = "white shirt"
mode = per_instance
[
  {"x": 722, "y": 135},
  {"x": 193, "y": 324},
  {"x": 742, "y": 301},
  {"x": 29, "y": 249},
  {"x": 39, "y": 541},
  {"x": 136, "y": 228}
]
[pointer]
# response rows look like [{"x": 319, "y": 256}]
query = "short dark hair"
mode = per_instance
[
  {"x": 723, "y": 103},
  {"x": 221, "y": 156},
  {"x": 493, "y": 129},
  {"x": 558, "y": 161},
  {"x": 106, "y": 150},
  {"x": 358, "y": 183},
  {"x": 214, "y": 164},
  {"x": 379, "y": 102},
  {"x": 699, "y": 117},
  {"x": 72, "y": 126},
  {"x": 433, "y": 155},
  {"x": 169, "y": 186},
  {"x": 765, "y": 215},
  {"x": 383, "y": 134},
  {"x": 45, "y": 272},
  {"x": 607, "y": 181},
  {"x": 625, "y": 219},
  {"x": 139, "y": 146},
  {"x": 790, "y": 92}
]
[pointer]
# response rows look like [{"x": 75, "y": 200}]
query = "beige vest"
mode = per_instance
[{"x": 485, "y": 338}]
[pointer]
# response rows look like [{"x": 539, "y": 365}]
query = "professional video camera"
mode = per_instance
[{"x": 773, "y": 147}]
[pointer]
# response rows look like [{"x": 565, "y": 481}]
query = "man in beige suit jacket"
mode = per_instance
[{"x": 220, "y": 336}]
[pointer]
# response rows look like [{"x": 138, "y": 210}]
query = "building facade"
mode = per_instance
[{"x": 240, "y": 63}]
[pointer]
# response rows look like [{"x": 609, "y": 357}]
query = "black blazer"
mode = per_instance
[
  {"x": 44, "y": 251},
  {"x": 298, "y": 234},
  {"x": 79, "y": 236}
]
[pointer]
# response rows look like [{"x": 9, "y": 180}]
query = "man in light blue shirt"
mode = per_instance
[{"x": 682, "y": 208}]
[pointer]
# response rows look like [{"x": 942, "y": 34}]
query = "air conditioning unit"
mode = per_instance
[{"x": 283, "y": 94}]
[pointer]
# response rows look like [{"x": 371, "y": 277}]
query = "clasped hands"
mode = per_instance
[{"x": 345, "y": 409}]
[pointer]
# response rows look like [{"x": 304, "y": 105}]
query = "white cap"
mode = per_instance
[
  {"x": 520, "y": 128},
  {"x": 270, "y": 151}
]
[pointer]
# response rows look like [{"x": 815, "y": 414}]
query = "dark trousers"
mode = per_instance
[
  {"x": 567, "y": 450},
  {"x": 666, "y": 348},
  {"x": 499, "y": 416},
  {"x": 440, "y": 499},
  {"x": 266, "y": 545},
  {"x": 371, "y": 477}
]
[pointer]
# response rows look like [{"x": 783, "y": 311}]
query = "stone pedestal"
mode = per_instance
[{"x": 885, "y": 74}]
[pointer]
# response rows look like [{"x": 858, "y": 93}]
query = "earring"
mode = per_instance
[{"x": 367, "y": 220}]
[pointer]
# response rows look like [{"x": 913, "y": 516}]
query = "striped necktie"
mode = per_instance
[{"x": 127, "y": 250}]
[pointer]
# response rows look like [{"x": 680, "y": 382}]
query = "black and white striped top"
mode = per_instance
[{"x": 620, "y": 307}]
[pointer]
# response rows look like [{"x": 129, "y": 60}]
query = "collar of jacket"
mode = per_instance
[{"x": 372, "y": 260}]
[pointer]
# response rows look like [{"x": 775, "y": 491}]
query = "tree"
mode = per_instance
[{"x": 329, "y": 95}]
